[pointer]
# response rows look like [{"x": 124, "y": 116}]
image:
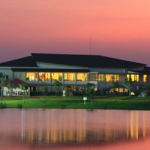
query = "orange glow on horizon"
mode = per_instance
[{"x": 59, "y": 26}]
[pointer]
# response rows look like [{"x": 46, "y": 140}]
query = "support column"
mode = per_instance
[
  {"x": 76, "y": 78},
  {"x": 38, "y": 81},
  {"x": 63, "y": 79},
  {"x": 97, "y": 82},
  {"x": 88, "y": 77},
  {"x": 51, "y": 80},
  {"x": 17, "y": 91}
]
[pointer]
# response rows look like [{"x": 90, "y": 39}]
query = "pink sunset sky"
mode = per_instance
[{"x": 118, "y": 28}]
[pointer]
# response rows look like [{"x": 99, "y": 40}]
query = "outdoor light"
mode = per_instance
[
  {"x": 84, "y": 98},
  {"x": 132, "y": 93}
]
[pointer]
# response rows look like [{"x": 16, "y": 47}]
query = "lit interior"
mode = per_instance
[
  {"x": 69, "y": 77},
  {"x": 32, "y": 76},
  {"x": 44, "y": 76},
  {"x": 144, "y": 78},
  {"x": 134, "y": 77},
  {"x": 108, "y": 77},
  {"x": 57, "y": 76},
  {"x": 81, "y": 76}
]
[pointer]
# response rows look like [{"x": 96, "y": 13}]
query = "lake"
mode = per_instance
[{"x": 74, "y": 129}]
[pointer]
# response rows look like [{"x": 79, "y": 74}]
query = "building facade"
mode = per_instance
[{"x": 75, "y": 71}]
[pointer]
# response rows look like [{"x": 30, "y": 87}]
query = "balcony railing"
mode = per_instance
[{"x": 63, "y": 82}]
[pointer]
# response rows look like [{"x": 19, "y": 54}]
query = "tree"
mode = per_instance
[
  {"x": 10, "y": 86},
  {"x": 57, "y": 85},
  {"x": 2, "y": 81},
  {"x": 44, "y": 101},
  {"x": 90, "y": 91},
  {"x": 146, "y": 89},
  {"x": 44, "y": 88},
  {"x": 45, "y": 91},
  {"x": 114, "y": 85},
  {"x": 24, "y": 88},
  {"x": 128, "y": 83},
  {"x": 69, "y": 91}
]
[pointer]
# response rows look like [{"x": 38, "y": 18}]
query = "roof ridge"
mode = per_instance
[
  {"x": 86, "y": 55},
  {"x": 15, "y": 59}
]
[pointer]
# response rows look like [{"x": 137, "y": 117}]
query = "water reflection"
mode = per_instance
[{"x": 72, "y": 126}]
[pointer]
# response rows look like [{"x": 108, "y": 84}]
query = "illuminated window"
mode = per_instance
[
  {"x": 134, "y": 77},
  {"x": 96, "y": 77},
  {"x": 57, "y": 76},
  {"x": 112, "y": 77},
  {"x": 126, "y": 90},
  {"x": 32, "y": 76},
  {"x": 69, "y": 76},
  {"x": 144, "y": 78},
  {"x": 44, "y": 76},
  {"x": 101, "y": 77},
  {"x": 118, "y": 90},
  {"x": 81, "y": 76},
  {"x": 128, "y": 77},
  {"x": 121, "y": 90}
]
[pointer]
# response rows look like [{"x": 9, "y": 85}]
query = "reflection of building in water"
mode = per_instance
[
  {"x": 133, "y": 121},
  {"x": 66, "y": 126}
]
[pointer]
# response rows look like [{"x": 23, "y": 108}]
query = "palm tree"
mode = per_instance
[
  {"x": 114, "y": 85},
  {"x": 2, "y": 81},
  {"x": 44, "y": 88},
  {"x": 128, "y": 83},
  {"x": 10, "y": 86},
  {"x": 57, "y": 85},
  {"x": 146, "y": 89},
  {"x": 24, "y": 88},
  {"x": 90, "y": 91}
]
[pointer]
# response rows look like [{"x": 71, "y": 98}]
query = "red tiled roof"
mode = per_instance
[{"x": 16, "y": 82}]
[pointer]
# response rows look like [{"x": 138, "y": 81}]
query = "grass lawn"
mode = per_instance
[{"x": 100, "y": 102}]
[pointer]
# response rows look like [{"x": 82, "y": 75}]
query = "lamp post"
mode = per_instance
[{"x": 84, "y": 99}]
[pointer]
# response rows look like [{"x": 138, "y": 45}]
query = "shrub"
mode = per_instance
[
  {"x": 62, "y": 106},
  {"x": 3, "y": 105},
  {"x": 20, "y": 106}
]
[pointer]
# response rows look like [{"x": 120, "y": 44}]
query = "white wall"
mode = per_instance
[
  {"x": 109, "y": 70},
  {"x": 7, "y": 71},
  {"x": 20, "y": 75}
]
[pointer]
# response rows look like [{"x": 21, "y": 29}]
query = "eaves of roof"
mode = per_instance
[
  {"x": 16, "y": 82},
  {"x": 21, "y": 62},
  {"x": 47, "y": 70}
]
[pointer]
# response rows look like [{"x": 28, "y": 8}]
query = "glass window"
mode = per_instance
[
  {"x": 112, "y": 77},
  {"x": 44, "y": 76},
  {"x": 144, "y": 78},
  {"x": 125, "y": 90},
  {"x": 57, "y": 76},
  {"x": 128, "y": 77},
  {"x": 69, "y": 76},
  {"x": 134, "y": 77},
  {"x": 81, "y": 76},
  {"x": 101, "y": 77},
  {"x": 32, "y": 76},
  {"x": 121, "y": 90}
]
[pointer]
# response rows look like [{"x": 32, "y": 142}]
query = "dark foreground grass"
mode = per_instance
[{"x": 101, "y": 102}]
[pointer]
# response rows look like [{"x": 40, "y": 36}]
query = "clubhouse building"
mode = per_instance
[{"x": 75, "y": 71}]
